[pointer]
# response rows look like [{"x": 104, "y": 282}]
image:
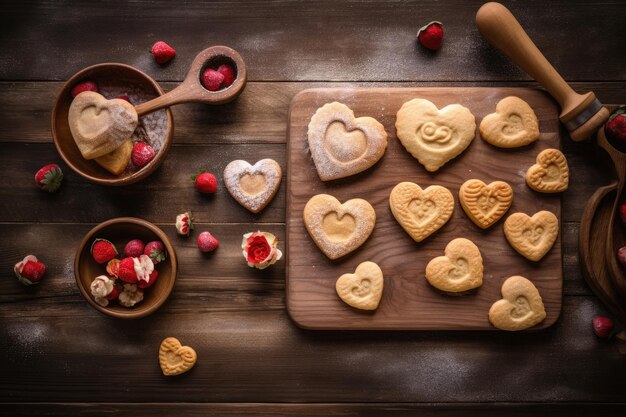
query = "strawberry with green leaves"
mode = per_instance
[{"x": 49, "y": 178}]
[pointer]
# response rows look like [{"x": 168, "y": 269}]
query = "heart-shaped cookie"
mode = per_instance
[
  {"x": 174, "y": 358},
  {"x": 338, "y": 229},
  {"x": 421, "y": 212},
  {"x": 434, "y": 136},
  {"x": 99, "y": 126},
  {"x": 485, "y": 204},
  {"x": 550, "y": 174},
  {"x": 116, "y": 161},
  {"x": 253, "y": 186},
  {"x": 459, "y": 270},
  {"x": 342, "y": 145},
  {"x": 532, "y": 236},
  {"x": 521, "y": 306},
  {"x": 364, "y": 288},
  {"x": 513, "y": 124}
]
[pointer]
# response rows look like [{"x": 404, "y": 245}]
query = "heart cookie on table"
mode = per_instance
[
  {"x": 117, "y": 161},
  {"x": 459, "y": 270},
  {"x": 434, "y": 136},
  {"x": 253, "y": 186},
  {"x": 484, "y": 203},
  {"x": 99, "y": 126},
  {"x": 175, "y": 358},
  {"x": 550, "y": 174},
  {"x": 513, "y": 124},
  {"x": 520, "y": 308},
  {"x": 338, "y": 229},
  {"x": 342, "y": 145},
  {"x": 362, "y": 289},
  {"x": 532, "y": 236},
  {"x": 421, "y": 212}
]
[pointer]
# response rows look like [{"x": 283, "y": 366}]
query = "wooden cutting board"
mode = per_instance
[{"x": 408, "y": 302}]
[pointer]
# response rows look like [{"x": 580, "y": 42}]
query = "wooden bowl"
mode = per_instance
[
  {"x": 120, "y": 231},
  {"x": 110, "y": 78}
]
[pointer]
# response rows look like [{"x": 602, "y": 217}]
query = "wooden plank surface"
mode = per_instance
[{"x": 408, "y": 302}]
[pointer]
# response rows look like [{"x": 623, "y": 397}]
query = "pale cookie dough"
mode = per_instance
[
  {"x": 421, "y": 212},
  {"x": 117, "y": 161},
  {"x": 99, "y": 126},
  {"x": 342, "y": 145},
  {"x": 484, "y": 203},
  {"x": 174, "y": 358},
  {"x": 532, "y": 236},
  {"x": 550, "y": 174},
  {"x": 338, "y": 229},
  {"x": 253, "y": 186},
  {"x": 364, "y": 288},
  {"x": 434, "y": 136},
  {"x": 513, "y": 124},
  {"x": 521, "y": 306},
  {"x": 459, "y": 270}
]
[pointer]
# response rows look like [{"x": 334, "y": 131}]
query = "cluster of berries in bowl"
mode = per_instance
[{"x": 128, "y": 275}]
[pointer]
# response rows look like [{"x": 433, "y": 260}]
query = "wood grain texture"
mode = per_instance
[{"x": 408, "y": 302}]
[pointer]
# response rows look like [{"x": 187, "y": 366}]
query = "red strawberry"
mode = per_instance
[
  {"x": 29, "y": 271},
  {"x": 602, "y": 326},
  {"x": 615, "y": 127},
  {"x": 229, "y": 74},
  {"x": 142, "y": 154},
  {"x": 207, "y": 242},
  {"x": 134, "y": 248},
  {"x": 113, "y": 267},
  {"x": 156, "y": 251},
  {"x": 84, "y": 86},
  {"x": 212, "y": 80},
  {"x": 125, "y": 98},
  {"x": 114, "y": 293},
  {"x": 145, "y": 284},
  {"x": 162, "y": 52},
  {"x": 184, "y": 223},
  {"x": 103, "y": 251},
  {"x": 205, "y": 182},
  {"x": 49, "y": 178},
  {"x": 127, "y": 271},
  {"x": 431, "y": 35},
  {"x": 622, "y": 213}
]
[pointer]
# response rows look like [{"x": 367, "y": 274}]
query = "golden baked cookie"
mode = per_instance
[
  {"x": 521, "y": 306},
  {"x": 117, "y": 161},
  {"x": 253, "y": 186},
  {"x": 174, "y": 358},
  {"x": 532, "y": 236},
  {"x": 99, "y": 126},
  {"x": 362, "y": 289},
  {"x": 434, "y": 136},
  {"x": 484, "y": 203},
  {"x": 338, "y": 229},
  {"x": 459, "y": 270},
  {"x": 421, "y": 212},
  {"x": 550, "y": 174},
  {"x": 513, "y": 124},
  {"x": 342, "y": 145}
]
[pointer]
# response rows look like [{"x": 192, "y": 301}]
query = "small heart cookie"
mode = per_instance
[
  {"x": 550, "y": 174},
  {"x": 342, "y": 145},
  {"x": 253, "y": 186},
  {"x": 421, "y": 212},
  {"x": 174, "y": 358},
  {"x": 434, "y": 136},
  {"x": 521, "y": 306},
  {"x": 116, "y": 161},
  {"x": 364, "y": 288},
  {"x": 513, "y": 124},
  {"x": 338, "y": 229},
  {"x": 532, "y": 236},
  {"x": 99, "y": 126},
  {"x": 459, "y": 270},
  {"x": 485, "y": 204}
]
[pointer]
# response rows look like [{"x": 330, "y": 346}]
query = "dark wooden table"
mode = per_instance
[{"x": 58, "y": 356}]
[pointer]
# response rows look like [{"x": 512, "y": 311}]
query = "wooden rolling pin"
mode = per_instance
[{"x": 582, "y": 114}]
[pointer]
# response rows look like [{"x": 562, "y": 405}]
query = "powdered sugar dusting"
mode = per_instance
[{"x": 271, "y": 174}]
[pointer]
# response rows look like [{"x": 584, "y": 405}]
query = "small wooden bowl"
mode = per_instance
[
  {"x": 115, "y": 76},
  {"x": 120, "y": 231}
]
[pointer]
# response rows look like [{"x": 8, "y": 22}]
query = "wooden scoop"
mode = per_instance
[{"x": 583, "y": 115}]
